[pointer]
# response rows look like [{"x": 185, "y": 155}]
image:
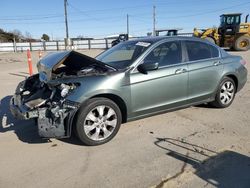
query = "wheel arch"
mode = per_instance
[
  {"x": 234, "y": 78},
  {"x": 229, "y": 75},
  {"x": 115, "y": 98},
  {"x": 118, "y": 100}
]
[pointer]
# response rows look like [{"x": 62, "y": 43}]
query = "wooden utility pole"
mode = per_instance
[
  {"x": 66, "y": 22},
  {"x": 128, "y": 25},
  {"x": 154, "y": 20},
  {"x": 14, "y": 44}
]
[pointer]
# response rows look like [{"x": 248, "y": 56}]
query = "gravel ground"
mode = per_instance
[{"x": 193, "y": 147}]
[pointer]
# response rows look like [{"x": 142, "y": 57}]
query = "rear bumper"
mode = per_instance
[{"x": 242, "y": 78}]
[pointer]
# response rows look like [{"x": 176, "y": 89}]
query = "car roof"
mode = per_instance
[{"x": 160, "y": 38}]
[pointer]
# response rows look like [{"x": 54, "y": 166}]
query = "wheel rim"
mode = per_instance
[
  {"x": 227, "y": 93},
  {"x": 100, "y": 123},
  {"x": 244, "y": 44}
]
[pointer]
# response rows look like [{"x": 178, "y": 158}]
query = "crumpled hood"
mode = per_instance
[{"x": 71, "y": 59}]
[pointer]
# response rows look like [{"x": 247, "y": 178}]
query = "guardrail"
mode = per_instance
[{"x": 60, "y": 45}]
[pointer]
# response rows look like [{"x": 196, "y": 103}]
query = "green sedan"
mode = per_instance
[{"x": 135, "y": 79}]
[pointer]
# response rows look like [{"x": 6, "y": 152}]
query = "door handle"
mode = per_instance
[
  {"x": 216, "y": 63},
  {"x": 179, "y": 71}
]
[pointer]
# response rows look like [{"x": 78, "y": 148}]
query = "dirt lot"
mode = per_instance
[{"x": 193, "y": 147}]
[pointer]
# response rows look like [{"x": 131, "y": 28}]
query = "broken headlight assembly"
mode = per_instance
[
  {"x": 66, "y": 89},
  {"x": 51, "y": 119}
]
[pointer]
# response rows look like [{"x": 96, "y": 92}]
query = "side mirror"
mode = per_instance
[{"x": 147, "y": 66}]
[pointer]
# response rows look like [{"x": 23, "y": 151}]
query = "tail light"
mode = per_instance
[{"x": 243, "y": 62}]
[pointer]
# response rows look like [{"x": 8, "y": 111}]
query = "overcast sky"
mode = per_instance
[{"x": 99, "y": 18}]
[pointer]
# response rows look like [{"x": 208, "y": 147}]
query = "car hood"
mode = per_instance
[{"x": 70, "y": 59}]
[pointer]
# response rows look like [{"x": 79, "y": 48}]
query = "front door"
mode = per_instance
[{"x": 163, "y": 88}]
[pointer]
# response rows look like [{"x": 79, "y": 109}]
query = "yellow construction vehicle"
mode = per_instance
[{"x": 231, "y": 32}]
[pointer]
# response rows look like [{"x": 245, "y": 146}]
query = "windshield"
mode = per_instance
[{"x": 124, "y": 54}]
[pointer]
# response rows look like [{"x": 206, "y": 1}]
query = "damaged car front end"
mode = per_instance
[{"x": 44, "y": 96}]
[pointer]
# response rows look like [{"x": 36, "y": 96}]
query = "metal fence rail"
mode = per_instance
[
  {"x": 55, "y": 45},
  {"x": 185, "y": 34},
  {"x": 60, "y": 45}
]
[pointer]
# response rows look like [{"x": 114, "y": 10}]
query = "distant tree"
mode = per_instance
[
  {"x": 17, "y": 33},
  {"x": 1, "y": 31},
  {"x": 149, "y": 34},
  {"x": 80, "y": 36},
  {"x": 28, "y": 36},
  {"x": 9, "y": 36},
  {"x": 45, "y": 37}
]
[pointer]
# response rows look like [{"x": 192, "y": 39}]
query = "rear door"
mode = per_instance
[{"x": 205, "y": 69}]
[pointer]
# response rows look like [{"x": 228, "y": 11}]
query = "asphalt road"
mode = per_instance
[{"x": 192, "y": 147}]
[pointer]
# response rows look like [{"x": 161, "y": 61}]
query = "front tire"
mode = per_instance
[
  {"x": 98, "y": 121},
  {"x": 225, "y": 94}
]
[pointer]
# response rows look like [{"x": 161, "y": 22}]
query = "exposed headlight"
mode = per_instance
[{"x": 66, "y": 88}]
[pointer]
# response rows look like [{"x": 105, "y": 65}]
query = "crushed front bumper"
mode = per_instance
[
  {"x": 53, "y": 122},
  {"x": 19, "y": 110}
]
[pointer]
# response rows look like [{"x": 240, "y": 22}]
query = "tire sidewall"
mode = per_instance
[
  {"x": 83, "y": 112},
  {"x": 217, "y": 99},
  {"x": 237, "y": 43}
]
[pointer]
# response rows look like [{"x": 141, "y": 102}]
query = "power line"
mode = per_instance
[
  {"x": 116, "y": 8},
  {"x": 109, "y": 19},
  {"x": 32, "y": 15},
  {"x": 82, "y": 12},
  {"x": 25, "y": 19},
  {"x": 136, "y": 6},
  {"x": 146, "y": 15},
  {"x": 135, "y": 16},
  {"x": 50, "y": 16},
  {"x": 208, "y": 12},
  {"x": 62, "y": 21}
]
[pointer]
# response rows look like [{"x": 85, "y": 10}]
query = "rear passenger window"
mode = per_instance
[
  {"x": 214, "y": 51},
  {"x": 199, "y": 50}
]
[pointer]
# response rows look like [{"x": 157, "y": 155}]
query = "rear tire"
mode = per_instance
[
  {"x": 98, "y": 121},
  {"x": 225, "y": 93},
  {"x": 242, "y": 43}
]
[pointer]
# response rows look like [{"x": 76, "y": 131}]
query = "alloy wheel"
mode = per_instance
[
  {"x": 227, "y": 92},
  {"x": 100, "y": 123}
]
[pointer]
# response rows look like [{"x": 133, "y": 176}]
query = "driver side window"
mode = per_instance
[{"x": 165, "y": 54}]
